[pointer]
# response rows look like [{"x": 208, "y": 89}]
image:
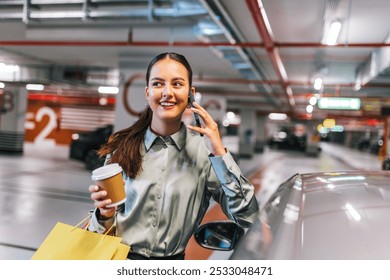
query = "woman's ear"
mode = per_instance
[{"x": 146, "y": 92}]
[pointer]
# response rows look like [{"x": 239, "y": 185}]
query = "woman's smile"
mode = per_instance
[{"x": 167, "y": 104}]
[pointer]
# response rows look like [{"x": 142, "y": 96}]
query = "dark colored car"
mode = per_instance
[
  {"x": 286, "y": 140},
  {"x": 321, "y": 216},
  {"x": 85, "y": 145},
  {"x": 386, "y": 163}
]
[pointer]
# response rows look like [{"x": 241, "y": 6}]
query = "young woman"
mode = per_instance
[{"x": 170, "y": 172}]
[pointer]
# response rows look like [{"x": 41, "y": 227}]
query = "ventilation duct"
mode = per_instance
[
  {"x": 376, "y": 69},
  {"x": 93, "y": 11}
]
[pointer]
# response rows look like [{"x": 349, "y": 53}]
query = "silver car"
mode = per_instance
[{"x": 327, "y": 216}]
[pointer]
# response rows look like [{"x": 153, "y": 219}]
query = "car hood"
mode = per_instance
[{"x": 339, "y": 215}]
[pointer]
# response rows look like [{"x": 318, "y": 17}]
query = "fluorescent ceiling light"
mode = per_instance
[
  {"x": 8, "y": 67},
  {"x": 103, "y": 101},
  {"x": 2, "y": 85},
  {"x": 357, "y": 86},
  {"x": 313, "y": 100},
  {"x": 277, "y": 116},
  {"x": 331, "y": 36},
  {"x": 108, "y": 90},
  {"x": 34, "y": 87},
  {"x": 318, "y": 83},
  {"x": 231, "y": 118},
  {"x": 230, "y": 115}
]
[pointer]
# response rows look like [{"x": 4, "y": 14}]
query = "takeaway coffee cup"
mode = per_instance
[{"x": 109, "y": 178}]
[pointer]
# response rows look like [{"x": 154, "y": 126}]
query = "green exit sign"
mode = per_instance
[{"x": 339, "y": 103}]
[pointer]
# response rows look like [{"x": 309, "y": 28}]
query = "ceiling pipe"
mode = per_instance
[
  {"x": 263, "y": 27},
  {"x": 276, "y": 82},
  {"x": 183, "y": 44},
  {"x": 123, "y": 43},
  {"x": 233, "y": 35},
  {"x": 320, "y": 45}
]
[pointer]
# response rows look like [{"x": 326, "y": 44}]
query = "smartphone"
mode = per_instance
[{"x": 196, "y": 116}]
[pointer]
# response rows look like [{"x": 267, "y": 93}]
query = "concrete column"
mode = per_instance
[
  {"x": 312, "y": 139},
  {"x": 386, "y": 137},
  {"x": 12, "y": 109},
  {"x": 247, "y": 133},
  {"x": 260, "y": 133}
]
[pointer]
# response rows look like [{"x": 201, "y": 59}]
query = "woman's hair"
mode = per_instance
[{"x": 124, "y": 146}]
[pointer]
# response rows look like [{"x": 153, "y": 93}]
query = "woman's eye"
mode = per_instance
[
  {"x": 157, "y": 84},
  {"x": 177, "y": 84}
]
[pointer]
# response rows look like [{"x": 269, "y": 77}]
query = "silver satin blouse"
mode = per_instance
[{"x": 168, "y": 200}]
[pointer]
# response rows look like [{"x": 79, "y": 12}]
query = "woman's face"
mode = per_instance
[{"x": 167, "y": 90}]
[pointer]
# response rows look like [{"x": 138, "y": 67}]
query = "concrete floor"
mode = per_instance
[{"x": 42, "y": 187}]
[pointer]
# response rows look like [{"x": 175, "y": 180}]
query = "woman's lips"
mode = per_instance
[{"x": 167, "y": 105}]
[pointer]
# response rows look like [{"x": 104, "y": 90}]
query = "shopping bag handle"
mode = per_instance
[
  {"x": 87, "y": 224},
  {"x": 88, "y": 217}
]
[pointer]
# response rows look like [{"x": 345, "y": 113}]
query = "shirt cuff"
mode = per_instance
[
  {"x": 100, "y": 226},
  {"x": 224, "y": 166}
]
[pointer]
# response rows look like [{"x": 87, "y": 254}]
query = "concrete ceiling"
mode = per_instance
[{"x": 259, "y": 54}]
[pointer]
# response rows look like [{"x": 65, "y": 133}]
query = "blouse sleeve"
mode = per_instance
[{"x": 234, "y": 193}]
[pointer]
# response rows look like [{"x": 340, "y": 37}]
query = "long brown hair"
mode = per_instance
[{"x": 124, "y": 146}]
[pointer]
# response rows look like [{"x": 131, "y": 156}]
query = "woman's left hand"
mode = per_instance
[{"x": 209, "y": 130}]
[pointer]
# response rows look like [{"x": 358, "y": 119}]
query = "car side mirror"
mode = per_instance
[{"x": 219, "y": 235}]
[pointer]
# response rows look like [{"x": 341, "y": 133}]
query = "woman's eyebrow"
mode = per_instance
[
  {"x": 157, "y": 79},
  {"x": 174, "y": 79},
  {"x": 179, "y": 78}
]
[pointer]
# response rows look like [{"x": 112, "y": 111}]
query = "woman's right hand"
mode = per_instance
[{"x": 98, "y": 195}]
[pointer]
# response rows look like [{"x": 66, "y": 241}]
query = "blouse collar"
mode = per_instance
[{"x": 178, "y": 138}]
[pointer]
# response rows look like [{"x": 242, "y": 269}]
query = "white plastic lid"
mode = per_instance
[{"x": 106, "y": 171}]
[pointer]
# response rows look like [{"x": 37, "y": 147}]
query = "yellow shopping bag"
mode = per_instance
[{"x": 66, "y": 242}]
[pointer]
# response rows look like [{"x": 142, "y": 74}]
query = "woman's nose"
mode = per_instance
[{"x": 166, "y": 92}]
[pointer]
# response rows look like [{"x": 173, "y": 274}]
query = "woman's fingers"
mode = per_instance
[
  {"x": 99, "y": 196},
  {"x": 209, "y": 123},
  {"x": 210, "y": 130},
  {"x": 200, "y": 111},
  {"x": 93, "y": 188}
]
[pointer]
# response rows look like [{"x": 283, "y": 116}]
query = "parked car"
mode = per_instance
[
  {"x": 287, "y": 140},
  {"x": 331, "y": 216},
  {"x": 386, "y": 163},
  {"x": 85, "y": 145}
]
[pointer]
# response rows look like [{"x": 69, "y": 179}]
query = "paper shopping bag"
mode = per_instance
[
  {"x": 66, "y": 242},
  {"x": 121, "y": 252}
]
